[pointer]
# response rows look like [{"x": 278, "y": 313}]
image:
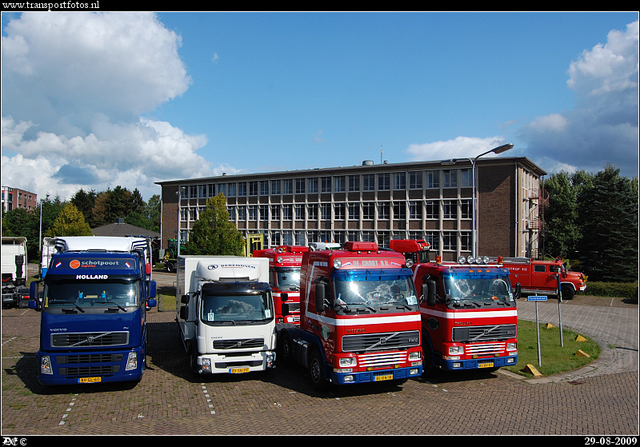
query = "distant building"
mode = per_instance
[
  {"x": 429, "y": 200},
  {"x": 14, "y": 198}
]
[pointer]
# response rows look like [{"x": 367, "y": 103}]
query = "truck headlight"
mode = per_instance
[
  {"x": 132, "y": 362},
  {"x": 414, "y": 356},
  {"x": 512, "y": 346},
  {"x": 347, "y": 362},
  {"x": 456, "y": 350},
  {"x": 45, "y": 365}
]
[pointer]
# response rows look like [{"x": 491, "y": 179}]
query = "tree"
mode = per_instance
[
  {"x": 561, "y": 215},
  {"x": 70, "y": 222},
  {"x": 213, "y": 233},
  {"x": 609, "y": 217}
]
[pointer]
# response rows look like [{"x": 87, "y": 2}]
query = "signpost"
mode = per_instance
[{"x": 537, "y": 299}]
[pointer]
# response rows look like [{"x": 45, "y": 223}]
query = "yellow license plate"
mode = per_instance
[
  {"x": 485, "y": 365},
  {"x": 238, "y": 370},
  {"x": 382, "y": 377},
  {"x": 90, "y": 379}
]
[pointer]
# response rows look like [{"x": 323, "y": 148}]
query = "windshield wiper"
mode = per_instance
[
  {"x": 110, "y": 302},
  {"x": 71, "y": 310}
]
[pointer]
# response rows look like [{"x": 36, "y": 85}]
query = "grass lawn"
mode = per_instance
[{"x": 554, "y": 358}]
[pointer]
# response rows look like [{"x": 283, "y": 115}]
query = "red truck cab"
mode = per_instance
[
  {"x": 541, "y": 277},
  {"x": 284, "y": 279},
  {"x": 359, "y": 318}
]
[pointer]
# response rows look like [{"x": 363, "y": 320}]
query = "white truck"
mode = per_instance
[
  {"x": 227, "y": 318},
  {"x": 14, "y": 272}
]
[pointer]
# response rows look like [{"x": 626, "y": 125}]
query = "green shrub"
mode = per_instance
[{"x": 612, "y": 289}]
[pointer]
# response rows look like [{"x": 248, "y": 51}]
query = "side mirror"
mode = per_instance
[
  {"x": 284, "y": 296},
  {"x": 185, "y": 299},
  {"x": 184, "y": 313},
  {"x": 152, "y": 289},
  {"x": 431, "y": 292},
  {"x": 152, "y": 302},
  {"x": 518, "y": 293}
]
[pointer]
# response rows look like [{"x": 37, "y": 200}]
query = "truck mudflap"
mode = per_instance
[
  {"x": 221, "y": 364},
  {"x": 71, "y": 368}
]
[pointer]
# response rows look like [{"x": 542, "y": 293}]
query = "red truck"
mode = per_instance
[
  {"x": 359, "y": 318},
  {"x": 284, "y": 279},
  {"x": 541, "y": 277},
  {"x": 469, "y": 314}
]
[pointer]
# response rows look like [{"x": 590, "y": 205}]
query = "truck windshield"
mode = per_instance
[
  {"x": 478, "y": 291},
  {"x": 288, "y": 278},
  {"x": 374, "y": 291},
  {"x": 86, "y": 296},
  {"x": 236, "y": 309}
]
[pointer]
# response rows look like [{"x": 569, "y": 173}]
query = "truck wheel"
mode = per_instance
[
  {"x": 567, "y": 292},
  {"x": 284, "y": 348},
  {"x": 316, "y": 372}
]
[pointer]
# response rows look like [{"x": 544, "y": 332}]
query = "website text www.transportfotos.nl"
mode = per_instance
[{"x": 51, "y": 6}]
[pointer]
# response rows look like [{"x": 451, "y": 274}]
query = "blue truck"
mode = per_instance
[{"x": 93, "y": 307}]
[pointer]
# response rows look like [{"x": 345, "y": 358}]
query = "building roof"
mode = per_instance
[
  {"x": 368, "y": 165},
  {"x": 123, "y": 229}
]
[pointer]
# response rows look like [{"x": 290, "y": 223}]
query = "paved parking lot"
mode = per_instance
[{"x": 601, "y": 399}]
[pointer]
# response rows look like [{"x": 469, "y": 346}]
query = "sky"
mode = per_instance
[{"x": 96, "y": 100}]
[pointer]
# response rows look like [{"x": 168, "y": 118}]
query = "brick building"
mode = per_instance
[
  {"x": 14, "y": 198},
  {"x": 417, "y": 200}
]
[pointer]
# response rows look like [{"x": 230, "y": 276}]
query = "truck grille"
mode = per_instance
[
  {"x": 88, "y": 358},
  {"x": 89, "y": 370},
  {"x": 293, "y": 307},
  {"x": 84, "y": 339},
  {"x": 485, "y": 349},
  {"x": 239, "y": 343},
  {"x": 484, "y": 333},
  {"x": 382, "y": 360},
  {"x": 380, "y": 342}
]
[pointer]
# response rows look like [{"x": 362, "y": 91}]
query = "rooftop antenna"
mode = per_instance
[{"x": 381, "y": 152}]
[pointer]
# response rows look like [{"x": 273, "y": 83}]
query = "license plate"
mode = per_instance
[
  {"x": 485, "y": 365},
  {"x": 90, "y": 379},
  {"x": 382, "y": 377},
  {"x": 238, "y": 370}
]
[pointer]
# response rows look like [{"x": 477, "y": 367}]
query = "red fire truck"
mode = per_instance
[
  {"x": 284, "y": 279},
  {"x": 359, "y": 318},
  {"x": 469, "y": 314},
  {"x": 541, "y": 277}
]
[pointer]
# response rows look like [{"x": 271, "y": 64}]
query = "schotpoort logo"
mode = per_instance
[{"x": 74, "y": 264}]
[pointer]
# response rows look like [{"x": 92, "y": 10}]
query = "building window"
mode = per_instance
[
  {"x": 253, "y": 188},
  {"x": 369, "y": 182},
  {"x": 450, "y": 178},
  {"x": 338, "y": 211},
  {"x": 231, "y": 188},
  {"x": 415, "y": 180},
  {"x": 313, "y": 185},
  {"x": 264, "y": 213},
  {"x": 415, "y": 210},
  {"x": 465, "y": 241},
  {"x": 212, "y": 190},
  {"x": 449, "y": 240},
  {"x": 354, "y": 183},
  {"x": 384, "y": 211},
  {"x": 354, "y": 211},
  {"x": 450, "y": 209},
  {"x": 432, "y": 209},
  {"x": 400, "y": 180},
  {"x": 287, "y": 212},
  {"x": 264, "y": 188},
  {"x": 339, "y": 184},
  {"x": 300, "y": 185},
  {"x": 325, "y": 211},
  {"x": 312, "y": 212},
  {"x": 466, "y": 178},
  {"x": 433, "y": 179},
  {"x": 325, "y": 184},
  {"x": 399, "y": 210},
  {"x": 368, "y": 210},
  {"x": 222, "y": 189},
  {"x": 300, "y": 212},
  {"x": 384, "y": 182},
  {"x": 275, "y": 187},
  {"x": 466, "y": 209},
  {"x": 242, "y": 189},
  {"x": 275, "y": 212},
  {"x": 287, "y": 186}
]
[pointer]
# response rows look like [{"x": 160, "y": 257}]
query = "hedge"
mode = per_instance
[{"x": 612, "y": 289}]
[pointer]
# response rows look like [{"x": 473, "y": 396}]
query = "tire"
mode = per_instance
[
  {"x": 316, "y": 372},
  {"x": 567, "y": 292},
  {"x": 284, "y": 350}
]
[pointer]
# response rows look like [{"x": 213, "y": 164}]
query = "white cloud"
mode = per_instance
[
  {"x": 460, "y": 147},
  {"x": 603, "y": 126},
  {"x": 74, "y": 87}
]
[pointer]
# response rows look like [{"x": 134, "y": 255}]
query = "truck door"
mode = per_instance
[{"x": 539, "y": 276}]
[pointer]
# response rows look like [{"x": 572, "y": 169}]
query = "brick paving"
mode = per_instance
[{"x": 169, "y": 400}]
